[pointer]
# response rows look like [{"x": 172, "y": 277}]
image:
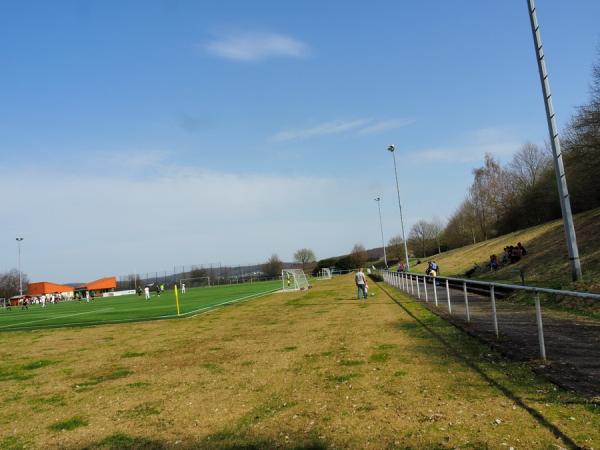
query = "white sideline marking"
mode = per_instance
[
  {"x": 247, "y": 297},
  {"x": 54, "y": 317}
]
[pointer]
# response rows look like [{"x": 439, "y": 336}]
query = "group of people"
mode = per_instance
[
  {"x": 433, "y": 269},
  {"x": 158, "y": 289},
  {"x": 511, "y": 255},
  {"x": 51, "y": 298}
]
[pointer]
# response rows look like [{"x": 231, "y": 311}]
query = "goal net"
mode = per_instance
[
  {"x": 194, "y": 282},
  {"x": 294, "y": 280},
  {"x": 325, "y": 274}
]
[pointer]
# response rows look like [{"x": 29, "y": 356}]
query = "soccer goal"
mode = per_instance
[
  {"x": 325, "y": 274},
  {"x": 194, "y": 282},
  {"x": 294, "y": 280}
]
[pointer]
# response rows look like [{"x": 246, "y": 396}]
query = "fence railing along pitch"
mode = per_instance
[{"x": 411, "y": 282}]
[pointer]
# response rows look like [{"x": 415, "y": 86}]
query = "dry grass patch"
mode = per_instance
[{"x": 348, "y": 377}]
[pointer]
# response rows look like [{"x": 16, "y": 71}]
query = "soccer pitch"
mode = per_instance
[{"x": 131, "y": 308}]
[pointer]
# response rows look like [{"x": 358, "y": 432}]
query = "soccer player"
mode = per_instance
[
  {"x": 183, "y": 288},
  {"x": 147, "y": 293},
  {"x": 87, "y": 296}
]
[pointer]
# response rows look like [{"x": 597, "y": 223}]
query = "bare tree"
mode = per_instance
[
  {"x": 304, "y": 256},
  {"x": 437, "y": 230},
  {"x": 486, "y": 194},
  {"x": 9, "y": 283},
  {"x": 528, "y": 165},
  {"x": 420, "y": 233},
  {"x": 358, "y": 255},
  {"x": 395, "y": 247},
  {"x": 273, "y": 267}
]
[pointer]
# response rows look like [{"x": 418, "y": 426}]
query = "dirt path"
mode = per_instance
[{"x": 572, "y": 342}]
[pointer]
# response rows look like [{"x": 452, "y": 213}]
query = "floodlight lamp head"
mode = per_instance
[
  {"x": 391, "y": 148},
  {"x": 19, "y": 239},
  {"x": 377, "y": 199}
]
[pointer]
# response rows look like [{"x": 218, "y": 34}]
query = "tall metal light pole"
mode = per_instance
[
  {"x": 378, "y": 200},
  {"x": 392, "y": 149},
  {"x": 559, "y": 169},
  {"x": 19, "y": 240}
]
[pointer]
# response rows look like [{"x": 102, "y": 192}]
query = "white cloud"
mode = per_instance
[
  {"x": 360, "y": 126},
  {"x": 82, "y": 224},
  {"x": 472, "y": 146},
  {"x": 256, "y": 46},
  {"x": 132, "y": 159},
  {"x": 335, "y": 127},
  {"x": 386, "y": 125}
]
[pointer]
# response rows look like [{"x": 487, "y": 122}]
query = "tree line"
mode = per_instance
[{"x": 523, "y": 192}]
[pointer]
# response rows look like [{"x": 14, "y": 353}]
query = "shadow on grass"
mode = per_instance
[
  {"x": 449, "y": 349},
  {"x": 224, "y": 440}
]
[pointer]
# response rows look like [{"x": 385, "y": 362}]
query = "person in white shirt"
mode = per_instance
[
  {"x": 361, "y": 283},
  {"x": 147, "y": 293},
  {"x": 183, "y": 288},
  {"x": 43, "y": 301}
]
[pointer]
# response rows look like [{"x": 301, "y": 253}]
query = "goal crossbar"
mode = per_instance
[
  {"x": 194, "y": 282},
  {"x": 294, "y": 280}
]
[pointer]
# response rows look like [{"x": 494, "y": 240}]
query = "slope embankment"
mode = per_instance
[{"x": 546, "y": 263}]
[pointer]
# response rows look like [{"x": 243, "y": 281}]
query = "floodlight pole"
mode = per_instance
[
  {"x": 392, "y": 149},
  {"x": 19, "y": 240},
  {"x": 559, "y": 169},
  {"x": 378, "y": 200}
]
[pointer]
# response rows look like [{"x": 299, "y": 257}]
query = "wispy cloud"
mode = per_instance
[
  {"x": 129, "y": 159},
  {"x": 335, "y": 127},
  {"x": 386, "y": 125},
  {"x": 472, "y": 146},
  {"x": 359, "y": 126},
  {"x": 256, "y": 46}
]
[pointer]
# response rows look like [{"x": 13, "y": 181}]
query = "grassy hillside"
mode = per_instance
[{"x": 547, "y": 262}]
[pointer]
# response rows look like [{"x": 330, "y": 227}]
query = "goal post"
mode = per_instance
[
  {"x": 294, "y": 280},
  {"x": 325, "y": 274},
  {"x": 194, "y": 282}
]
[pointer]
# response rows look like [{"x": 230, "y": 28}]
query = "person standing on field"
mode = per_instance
[
  {"x": 147, "y": 293},
  {"x": 361, "y": 283},
  {"x": 183, "y": 288}
]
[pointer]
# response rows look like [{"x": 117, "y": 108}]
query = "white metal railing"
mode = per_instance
[{"x": 405, "y": 281}]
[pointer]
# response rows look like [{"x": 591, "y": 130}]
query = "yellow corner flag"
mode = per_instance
[{"x": 176, "y": 297}]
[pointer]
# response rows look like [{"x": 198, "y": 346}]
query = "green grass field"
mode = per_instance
[{"x": 130, "y": 308}]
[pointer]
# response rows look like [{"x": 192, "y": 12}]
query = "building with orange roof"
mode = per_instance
[
  {"x": 106, "y": 284},
  {"x": 45, "y": 287}
]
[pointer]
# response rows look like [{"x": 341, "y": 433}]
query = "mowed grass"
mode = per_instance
[
  {"x": 129, "y": 307},
  {"x": 314, "y": 369}
]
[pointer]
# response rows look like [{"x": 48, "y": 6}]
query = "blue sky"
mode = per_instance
[{"x": 138, "y": 135}]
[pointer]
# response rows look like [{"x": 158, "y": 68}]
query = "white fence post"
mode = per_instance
[
  {"x": 412, "y": 287},
  {"x": 435, "y": 290},
  {"x": 495, "y": 316},
  {"x": 418, "y": 289},
  {"x": 425, "y": 288},
  {"x": 540, "y": 326},
  {"x": 466, "y": 302},
  {"x": 448, "y": 297}
]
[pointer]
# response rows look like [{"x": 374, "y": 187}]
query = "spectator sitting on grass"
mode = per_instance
[
  {"x": 493, "y": 262},
  {"x": 520, "y": 247}
]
